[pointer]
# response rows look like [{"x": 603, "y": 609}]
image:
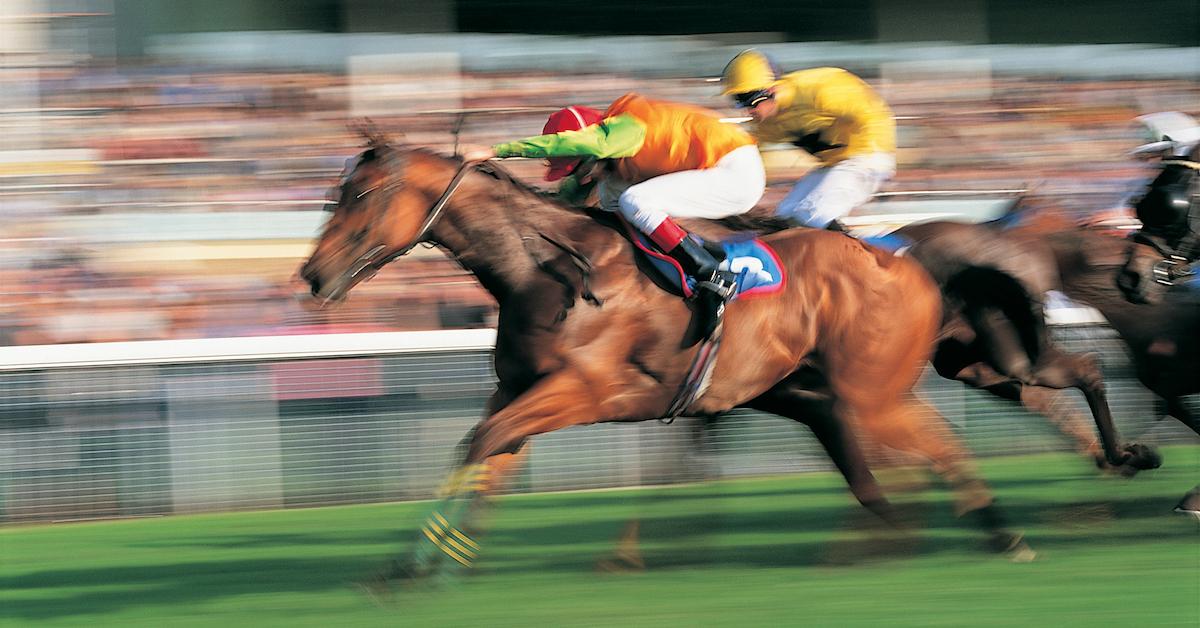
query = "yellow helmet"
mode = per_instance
[{"x": 750, "y": 71}]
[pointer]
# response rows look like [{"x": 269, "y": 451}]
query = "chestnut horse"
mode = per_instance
[
  {"x": 584, "y": 337},
  {"x": 993, "y": 279}
]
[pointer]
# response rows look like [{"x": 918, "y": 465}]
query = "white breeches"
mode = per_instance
[
  {"x": 828, "y": 193},
  {"x": 730, "y": 187}
]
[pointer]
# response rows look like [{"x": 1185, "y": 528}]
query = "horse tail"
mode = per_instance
[{"x": 980, "y": 290}]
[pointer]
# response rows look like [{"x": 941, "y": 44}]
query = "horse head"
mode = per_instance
[{"x": 377, "y": 212}]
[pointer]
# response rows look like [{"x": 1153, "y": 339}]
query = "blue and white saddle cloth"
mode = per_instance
[{"x": 757, "y": 266}]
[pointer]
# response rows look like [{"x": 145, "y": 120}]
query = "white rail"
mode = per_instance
[{"x": 33, "y": 357}]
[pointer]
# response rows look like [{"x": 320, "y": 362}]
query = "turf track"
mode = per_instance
[{"x": 764, "y": 552}]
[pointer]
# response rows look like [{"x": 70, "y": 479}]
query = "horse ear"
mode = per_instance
[
  {"x": 376, "y": 137},
  {"x": 367, "y": 128}
]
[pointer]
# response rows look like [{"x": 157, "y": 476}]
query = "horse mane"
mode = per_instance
[
  {"x": 566, "y": 240},
  {"x": 498, "y": 172},
  {"x": 759, "y": 220}
]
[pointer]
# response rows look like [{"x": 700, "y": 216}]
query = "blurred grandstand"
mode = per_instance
[{"x": 172, "y": 194}]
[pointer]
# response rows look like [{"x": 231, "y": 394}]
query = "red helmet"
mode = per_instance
[{"x": 570, "y": 119}]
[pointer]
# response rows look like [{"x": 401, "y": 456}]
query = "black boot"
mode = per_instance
[{"x": 714, "y": 287}]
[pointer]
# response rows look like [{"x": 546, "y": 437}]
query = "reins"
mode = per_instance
[{"x": 435, "y": 212}]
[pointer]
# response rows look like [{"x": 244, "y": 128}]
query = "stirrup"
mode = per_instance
[{"x": 722, "y": 284}]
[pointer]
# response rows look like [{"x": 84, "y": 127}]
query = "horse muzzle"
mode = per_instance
[{"x": 330, "y": 291}]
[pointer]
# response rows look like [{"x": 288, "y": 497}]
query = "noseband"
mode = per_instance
[{"x": 1171, "y": 268}]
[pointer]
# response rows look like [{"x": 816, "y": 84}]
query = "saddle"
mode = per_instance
[
  {"x": 758, "y": 272},
  {"x": 757, "y": 267}
]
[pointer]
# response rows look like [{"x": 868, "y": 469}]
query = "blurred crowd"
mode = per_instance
[{"x": 156, "y": 203}]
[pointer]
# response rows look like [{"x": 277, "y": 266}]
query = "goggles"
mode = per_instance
[{"x": 748, "y": 100}]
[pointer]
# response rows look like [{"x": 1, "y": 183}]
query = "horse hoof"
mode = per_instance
[
  {"x": 1190, "y": 504},
  {"x": 1128, "y": 470},
  {"x": 1022, "y": 553},
  {"x": 1012, "y": 545},
  {"x": 378, "y": 590},
  {"x": 1142, "y": 457}
]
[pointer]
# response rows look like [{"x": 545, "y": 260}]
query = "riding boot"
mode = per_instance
[{"x": 714, "y": 287}]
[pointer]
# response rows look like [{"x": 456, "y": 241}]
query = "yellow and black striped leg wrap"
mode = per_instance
[
  {"x": 466, "y": 481},
  {"x": 442, "y": 535},
  {"x": 450, "y": 540}
]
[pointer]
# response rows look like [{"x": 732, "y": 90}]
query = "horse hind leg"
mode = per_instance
[
  {"x": 818, "y": 410},
  {"x": 915, "y": 427},
  {"x": 1058, "y": 370},
  {"x": 1022, "y": 352}
]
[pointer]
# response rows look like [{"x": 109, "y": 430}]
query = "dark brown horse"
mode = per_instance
[
  {"x": 1161, "y": 332},
  {"x": 993, "y": 277},
  {"x": 1163, "y": 336},
  {"x": 994, "y": 280},
  {"x": 584, "y": 337}
]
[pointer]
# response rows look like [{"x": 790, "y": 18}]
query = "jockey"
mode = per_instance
[
  {"x": 1168, "y": 207},
  {"x": 657, "y": 159},
  {"x": 832, "y": 114}
]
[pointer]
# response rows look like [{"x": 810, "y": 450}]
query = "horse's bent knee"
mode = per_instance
[{"x": 490, "y": 439}]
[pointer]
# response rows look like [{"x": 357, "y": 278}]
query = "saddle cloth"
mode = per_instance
[
  {"x": 893, "y": 243},
  {"x": 757, "y": 266}
]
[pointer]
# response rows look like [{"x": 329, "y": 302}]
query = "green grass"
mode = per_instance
[{"x": 762, "y": 552}]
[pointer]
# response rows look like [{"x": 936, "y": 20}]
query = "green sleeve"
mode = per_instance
[{"x": 620, "y": 136}]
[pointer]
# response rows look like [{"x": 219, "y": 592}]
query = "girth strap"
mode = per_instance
[{"x": 699, "y": 374}]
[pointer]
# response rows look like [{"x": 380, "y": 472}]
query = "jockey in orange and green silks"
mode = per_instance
[
  {"x": 832, "y": 114},
  {"x": 664, "y": 159}
]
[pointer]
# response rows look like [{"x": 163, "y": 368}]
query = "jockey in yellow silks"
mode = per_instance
[{"x": 832, "y": 114}]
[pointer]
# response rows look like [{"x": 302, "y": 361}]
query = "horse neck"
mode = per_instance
[
  {"x": 489, "y": 227},
  {"x": 1091, "y": 284}
]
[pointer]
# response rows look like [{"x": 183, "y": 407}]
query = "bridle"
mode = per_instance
[
  {"x": 371, "y": 260},
  {"x": 1171, "y": 267}
]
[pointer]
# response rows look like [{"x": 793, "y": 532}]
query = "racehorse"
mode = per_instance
[
  {"x": 994, "y": 337},
  {"x": 993, "y": 278},
  {"x": 583, "y": 337},
  {"x": 1161, "y": 330},
  {"x": 1005, "y": 349},
  {"x": 1162, "y": 333}
]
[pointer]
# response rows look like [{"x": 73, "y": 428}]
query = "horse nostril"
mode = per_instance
[{"x": 309, "y": 275}]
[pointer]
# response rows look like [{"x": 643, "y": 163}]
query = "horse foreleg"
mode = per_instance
[
  {"x": 449, "y": 541},
  {"x": 1082, "y": 371},
  {"x": 501, "y": 467},
  {"x": 557, "y": 401},
  {"x": 953, "y": 360},
  {"x": 1066, "y": 418}
]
